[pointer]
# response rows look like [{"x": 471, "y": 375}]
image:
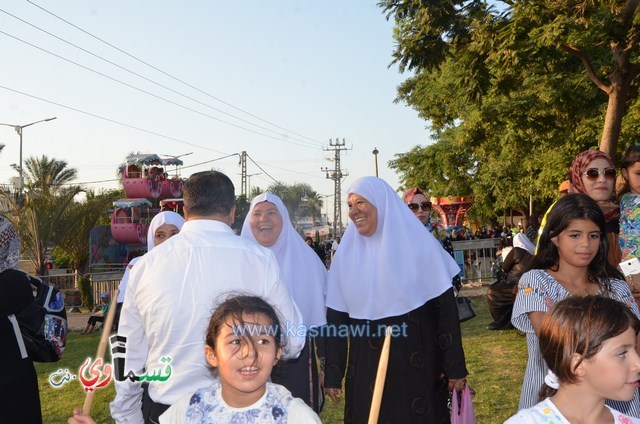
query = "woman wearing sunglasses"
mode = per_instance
[
  {"x": 592, "y": 173},
  {"x": 420, "y": 205}
]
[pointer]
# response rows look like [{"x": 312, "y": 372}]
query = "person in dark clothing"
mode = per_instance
[
  {"x": 389, "y": 271},
  {"x": 20, "y": 399},
  {"x": 318, "y": 249},
  {"x": 502, "y": 293}
]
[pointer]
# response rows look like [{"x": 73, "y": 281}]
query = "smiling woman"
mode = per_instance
[
  {"x": 268, "y": 224},
  {"x": 363, "y": 214},
  {"x": 391, "y": 272}
]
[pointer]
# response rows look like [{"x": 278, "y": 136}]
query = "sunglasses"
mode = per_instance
[
  {"x": 594, "y": 173},
  {"x": 426, "y": 206}
]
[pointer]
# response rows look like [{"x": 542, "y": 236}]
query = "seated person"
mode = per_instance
[
  {"x": 502, "y": 294},
  {"x": 98, "y": 317}
]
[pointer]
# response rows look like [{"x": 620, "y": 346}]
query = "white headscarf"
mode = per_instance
[
  {"x": 166, "y": 217},
  {"x": 522, "y": 241},
  {"x": 304, "y": 273},
  {"x": 397, "y": 269}
]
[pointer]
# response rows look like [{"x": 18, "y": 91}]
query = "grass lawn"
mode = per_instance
[{"x": 495, "y": 359}]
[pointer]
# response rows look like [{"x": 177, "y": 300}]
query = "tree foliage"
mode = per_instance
[
  {"x": 47, "y": 214},
  {"x": 512, "y": 94},
  {"x": 46, "y": 174},
  {"x": 295, "y": 197},
  {"x": 41, "y": 221},
  {"x": 84, "y": 215}
]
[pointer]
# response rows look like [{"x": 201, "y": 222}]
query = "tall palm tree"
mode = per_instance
[
  {"x": 293, "y": 195},
  {"x": 314, "y": 205},
  {"x": 42, "y": 218},
  {"x": 47, "y": 174}
]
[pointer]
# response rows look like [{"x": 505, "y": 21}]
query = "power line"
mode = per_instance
[
  {"x": 148, "y": 131},
  {"x": 260, "y": 168},
  {"x": 147, "y": 79},
  {"x": 118, "y": 179},
  {"x": 151, "y": 94},
  {"x": 169, "y": 75},
  {"x": 112, "y": 120}
]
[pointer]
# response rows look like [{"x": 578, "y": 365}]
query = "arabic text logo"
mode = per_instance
[
  {"x": 96, "y": 371},
  {"x": 60, "y": 377}
]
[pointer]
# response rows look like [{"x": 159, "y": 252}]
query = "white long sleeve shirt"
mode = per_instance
[{"x": 170, "y": 297}]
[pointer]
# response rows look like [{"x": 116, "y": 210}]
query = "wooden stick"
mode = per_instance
[
  {"x": 102, "y": 346},
  {"x": 381, "y": 375}
]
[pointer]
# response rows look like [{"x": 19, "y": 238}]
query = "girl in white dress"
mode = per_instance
[
  {"x": 242, "y": 346},
  {"x": 588, "y": 344}
]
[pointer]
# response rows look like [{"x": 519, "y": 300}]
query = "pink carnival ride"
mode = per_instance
[
  {"x": 130, "y": 220},
  {"x": 145, "y": 175},
  {"x": 145, "y": 178}
]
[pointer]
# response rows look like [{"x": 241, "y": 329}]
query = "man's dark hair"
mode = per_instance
[{"x": 209, "y": 193}]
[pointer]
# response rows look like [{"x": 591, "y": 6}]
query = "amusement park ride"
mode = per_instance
[
  {"x": 453, "y": 209},
  {"x": 144, "y": 177}
]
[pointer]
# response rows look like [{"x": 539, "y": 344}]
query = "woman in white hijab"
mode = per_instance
[
  {"x": 390, "y": 271},
  {"x": 268, "y": 224},
  {"x": 163, "y": 226}
]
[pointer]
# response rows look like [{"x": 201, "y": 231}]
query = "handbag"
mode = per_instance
[
  {"x": 461, "y": 407},
  {"x": 465, "y": 309}
]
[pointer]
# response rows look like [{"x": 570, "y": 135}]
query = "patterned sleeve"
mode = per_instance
[
  {"x": 621, "y": 292},
  {"x": 533, "y": 296}
]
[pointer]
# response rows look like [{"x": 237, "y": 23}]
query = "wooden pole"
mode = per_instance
[
  {"x": 381, "y": 375},
  {"x": 102, "y": 347}
]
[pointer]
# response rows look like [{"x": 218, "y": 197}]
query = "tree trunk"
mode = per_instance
[{"x": 613, "y": 119}]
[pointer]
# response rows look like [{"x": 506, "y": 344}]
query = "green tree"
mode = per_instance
[
  {"x": 47, "y": 174},
  {"x": 41, "y": 217},
  {"x": 85, "y": 215},
  {"x": 299, "y": 199},
  {"x": 595, "y": 41},
  {"x": 508, "y": 107},
  {"x": 242, "y": 208}
]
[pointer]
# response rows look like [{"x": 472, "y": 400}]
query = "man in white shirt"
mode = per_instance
[{"x": 173, "y": 290}]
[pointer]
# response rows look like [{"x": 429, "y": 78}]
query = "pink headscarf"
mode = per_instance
[
  {"x": 580, "y": 164},
  {"x": 408, "y": 196}
]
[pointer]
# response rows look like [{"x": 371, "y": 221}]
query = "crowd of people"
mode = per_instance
[{"x": 258, "y": 330}]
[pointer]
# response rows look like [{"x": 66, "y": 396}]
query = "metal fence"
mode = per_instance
[
  {"x": 69, "y": 285},
  {"x": 475, "y": 258},
  {"x": 103, "y": 282}
]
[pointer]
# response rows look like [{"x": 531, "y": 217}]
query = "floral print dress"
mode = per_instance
[{"x": 629, "y": 237}]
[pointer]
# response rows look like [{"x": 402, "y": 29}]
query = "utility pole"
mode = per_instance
[
  {"x": 243, "y": 174},
  {"x": 336, "y": 175}
]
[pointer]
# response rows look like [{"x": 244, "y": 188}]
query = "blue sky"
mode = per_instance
[{"x": 317, "y": 69}]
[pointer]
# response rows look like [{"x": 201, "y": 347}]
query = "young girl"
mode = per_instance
[
  {"x": 242, "y": 345},
  {"x": 629, "y": 237},
  {"x": 571, "y": 260},
  {"x": 588, "y": 343}
]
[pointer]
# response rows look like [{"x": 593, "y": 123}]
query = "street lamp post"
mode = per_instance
[
  {"x": 375, "y": 156},
  {"x": 19, "y": 129}
]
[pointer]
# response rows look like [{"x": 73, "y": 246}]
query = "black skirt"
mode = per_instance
[{"x": 426, "y": 352}]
